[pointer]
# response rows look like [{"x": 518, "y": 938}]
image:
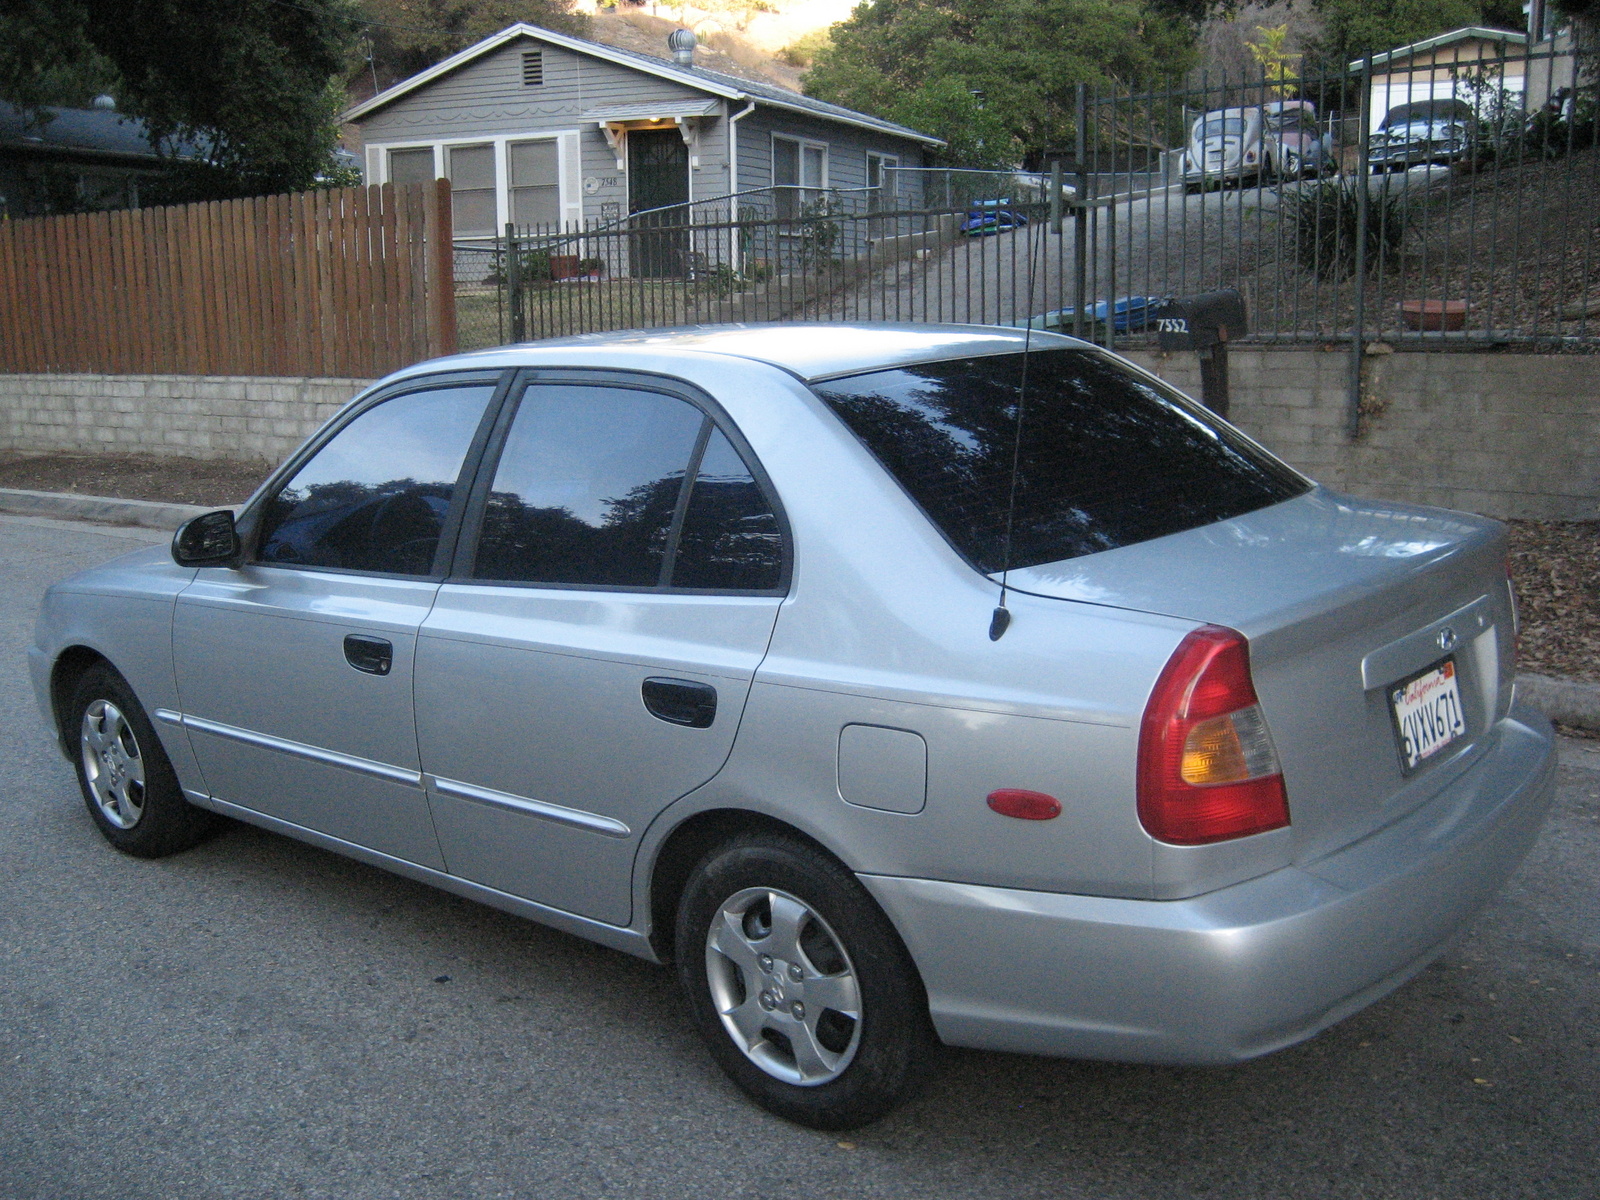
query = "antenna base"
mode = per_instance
[{"x": 999, "y": 623}]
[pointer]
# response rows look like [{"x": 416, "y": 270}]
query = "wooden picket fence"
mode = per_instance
[{"x": 353, "y": 282}]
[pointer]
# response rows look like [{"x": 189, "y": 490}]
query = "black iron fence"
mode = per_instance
[
  {"x": 1449, "y": 197},
  {"x": 1452, "y": 201}
]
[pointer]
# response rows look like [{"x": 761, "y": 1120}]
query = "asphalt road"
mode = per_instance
[{"x": 258, "y": 1018}]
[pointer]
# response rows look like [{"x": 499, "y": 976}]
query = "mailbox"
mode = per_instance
[
  {"x": 1200, "y": 322},
  {"x": 1205, "y": 324}
]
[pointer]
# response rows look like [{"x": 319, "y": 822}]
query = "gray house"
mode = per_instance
[{"x": 543, "y": 129}]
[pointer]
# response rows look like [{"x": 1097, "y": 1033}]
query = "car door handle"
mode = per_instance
[
  {"x": 681, "y": 702},
  {"x": 374, "y": 655}
]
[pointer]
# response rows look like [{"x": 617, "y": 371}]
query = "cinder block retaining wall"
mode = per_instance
[
  {"x": 198, "y": 416},
  {"x": 1511, "y": 435}
]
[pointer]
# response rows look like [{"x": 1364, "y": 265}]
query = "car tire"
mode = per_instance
[
  {"x": 801, "y": 987},
  {"x": 127, "y": 780}
]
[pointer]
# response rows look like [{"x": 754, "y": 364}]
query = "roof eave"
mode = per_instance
[
  {"x": 877, "y": 127},
  {"x": 510, "y": 34},
  {"x": 596, "y": 50},
  {"x": 1444, "y": 39}
]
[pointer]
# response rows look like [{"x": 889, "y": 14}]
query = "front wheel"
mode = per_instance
[
  {"x": 801, "y": 987},
  {"x": 127, "y": 781}
]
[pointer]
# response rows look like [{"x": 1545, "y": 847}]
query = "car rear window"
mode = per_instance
[{"x": 1105, "y": 457}]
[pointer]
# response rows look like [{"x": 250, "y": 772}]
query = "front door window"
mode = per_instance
[{"x": 374, "y": 498}]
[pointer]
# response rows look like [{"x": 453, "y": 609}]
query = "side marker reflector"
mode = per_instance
[{"x": 1024, "y": 805}]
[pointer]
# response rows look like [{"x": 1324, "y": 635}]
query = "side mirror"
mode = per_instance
[{"x": 207, "y": 541}]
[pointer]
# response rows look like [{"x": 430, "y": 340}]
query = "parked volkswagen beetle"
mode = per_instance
[
  {"x": 1278, "y": 140},
  {"x": 687, "y": 642}
]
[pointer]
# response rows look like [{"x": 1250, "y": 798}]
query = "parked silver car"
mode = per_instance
[
  {"x": 687, "y": 643},
  {"x": 1438, "y": 131}
]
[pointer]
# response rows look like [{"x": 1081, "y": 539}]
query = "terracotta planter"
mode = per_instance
[
  {"x": 1434, "y": 314},
  {"x": 563, "y": 266}
]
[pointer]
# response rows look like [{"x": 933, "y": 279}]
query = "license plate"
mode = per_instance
[{"x": 1427, "y": 713}]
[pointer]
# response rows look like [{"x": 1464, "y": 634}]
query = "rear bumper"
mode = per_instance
[{"x": 1238, "y": 972}]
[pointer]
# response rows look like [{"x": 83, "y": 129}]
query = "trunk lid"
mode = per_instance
[{"x": 1341, "y": 600}]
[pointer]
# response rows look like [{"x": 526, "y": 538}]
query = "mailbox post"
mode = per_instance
[{"x": 1205, "y": 324}]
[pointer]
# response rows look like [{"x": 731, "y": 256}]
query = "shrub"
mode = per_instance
[
  {"x": 534, "y": 267},
  {"x": 1325, "y": 217}
]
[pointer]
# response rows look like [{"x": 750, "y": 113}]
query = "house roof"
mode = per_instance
[
  {"x": 715, "y": 83},
  {"x": 83, "y": 133},
  {"x": 1466, "y": 34},
  {"x": 660, "y": 110}
]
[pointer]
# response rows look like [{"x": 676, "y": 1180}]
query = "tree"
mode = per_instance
[
  {"x": 1353, "y": 28},
  {"x": 1276, "y": 63},
  {"x": 247, "y": 87},
  {"x": 46, "y": 59},
  {"x": 1017, "y": 61}
]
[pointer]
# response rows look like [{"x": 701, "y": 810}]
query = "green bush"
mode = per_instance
[
  {"x": 534, "y": 267},
  {"x": 1325, "y": 218}
]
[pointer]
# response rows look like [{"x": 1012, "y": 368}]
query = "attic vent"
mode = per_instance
[{"x": 532, "y": 68}]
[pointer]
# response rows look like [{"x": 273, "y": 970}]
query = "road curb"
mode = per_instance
[
  {"x": 1566, "y": 700},
  {"x": 106, "y": 510}
]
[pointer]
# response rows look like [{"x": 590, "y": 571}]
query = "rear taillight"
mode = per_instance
[{"x": 1207, "y": 767}]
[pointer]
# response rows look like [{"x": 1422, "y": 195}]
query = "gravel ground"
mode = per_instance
[
  {"x": 135, "y": 477},
  {"x": 1555, "y": 564}
]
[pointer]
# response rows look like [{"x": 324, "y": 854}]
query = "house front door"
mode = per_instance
[{"x": 658, "y": 176}]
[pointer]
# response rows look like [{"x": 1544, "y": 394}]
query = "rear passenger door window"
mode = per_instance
[
  {"x": 730, "y": 537},
  {"x": 587, "y": 486},
  {"x": 616, "y": 487}
]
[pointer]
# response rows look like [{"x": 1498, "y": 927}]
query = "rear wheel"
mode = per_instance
[
  {"x": 799, "y": 984},
  {"x": 127, "y": 781}
]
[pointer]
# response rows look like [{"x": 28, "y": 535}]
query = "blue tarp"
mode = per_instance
[{"x": 1130, "y": 313}]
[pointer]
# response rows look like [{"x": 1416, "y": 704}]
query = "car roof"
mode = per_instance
[
  {"x": 1439, "y": 106},
  {"x": 811, "y": 351}
]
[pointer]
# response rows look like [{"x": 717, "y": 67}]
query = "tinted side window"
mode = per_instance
[
  {"x": 587, "y": 486},
  {"x": 374, "y": 498},
  {"x": 1106, "y": 458},
  {"x": 730, "y": 536}
]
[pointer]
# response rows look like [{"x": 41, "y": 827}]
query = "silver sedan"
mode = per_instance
[{"x": 897, "y": 683}]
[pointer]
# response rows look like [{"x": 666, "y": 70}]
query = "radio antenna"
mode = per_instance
[{"x": 1000, "y": 620}]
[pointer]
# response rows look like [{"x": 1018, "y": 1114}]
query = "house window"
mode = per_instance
[
  {"x": 411, "y": 166},
  {"x": 472, "y": 190},
  {"x": 799, "y": 173},
  {"x": 532, "y": 68},
  {"x": 535, "y": 182},
  {"x": 883, "y": 181}
]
